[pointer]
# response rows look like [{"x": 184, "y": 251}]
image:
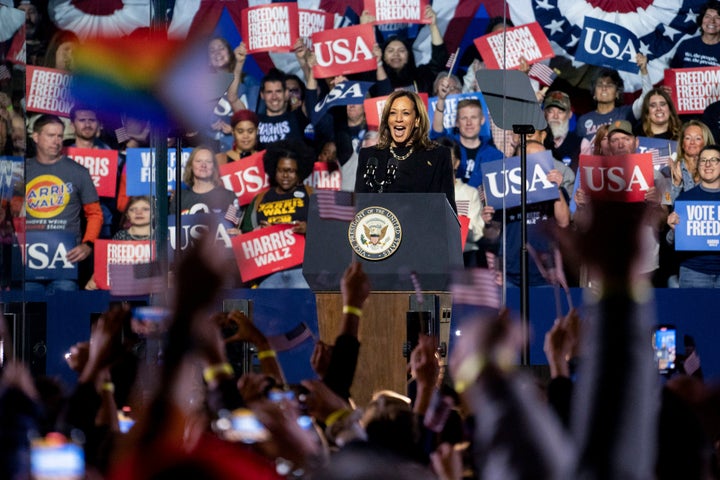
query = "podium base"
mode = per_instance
[{"x": 382, "y": 334}]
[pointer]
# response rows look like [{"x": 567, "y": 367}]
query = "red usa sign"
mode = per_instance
[
  {"x": 246, "y": 177},
  {"x": 344, "y": 51},
  {"x": 623, "y": 178}
]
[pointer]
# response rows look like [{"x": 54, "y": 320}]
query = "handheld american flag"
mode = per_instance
[{"x": 138, "y": 279}]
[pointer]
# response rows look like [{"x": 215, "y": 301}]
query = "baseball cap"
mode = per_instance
[
  {"x": 557, "y": 99},
  {"x": 621, "y": 126}
]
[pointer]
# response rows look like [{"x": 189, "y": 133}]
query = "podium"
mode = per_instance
[{"x": 428, "y": 244}]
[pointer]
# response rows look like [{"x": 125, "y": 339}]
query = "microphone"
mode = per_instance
[
  {"x": 392, "y": 167},
  {"x": 370, "y": 169}
]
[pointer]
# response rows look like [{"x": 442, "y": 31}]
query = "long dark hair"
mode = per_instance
[{"x": 419, "y": 137}]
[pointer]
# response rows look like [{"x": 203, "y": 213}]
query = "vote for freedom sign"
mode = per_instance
[
  {"x": 268, "y": 250},
  {"x": 699, "y": 227},
  {"x": 502, "y": 50}
]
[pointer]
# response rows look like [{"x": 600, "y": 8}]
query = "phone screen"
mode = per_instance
[
  {"x": 241, "y": 426},
  {"x": 664, "y": 344},
  {"x": 53, "y": 461}
]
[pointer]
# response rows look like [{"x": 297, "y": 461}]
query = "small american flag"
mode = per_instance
[
  {"x": 450, "y": 65},
  {"x": 5, "y": 73},
  {"x": 232, "y": 214},
  {"x": 542, "y": 73},
  {"x": 121, "y": 135},
  {"x": 463, "y": 207},
  {"x": 336, "y": 205},
  {"x": 692, "y": 363},
  {"x": 138, "y": 279},
  {"x": 476, "y": 287}
]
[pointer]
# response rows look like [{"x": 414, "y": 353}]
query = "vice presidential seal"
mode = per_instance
[{"x": 375, "y": 233}]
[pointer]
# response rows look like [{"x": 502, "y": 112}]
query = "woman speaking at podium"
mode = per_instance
[{"x": 405, "y": 160}]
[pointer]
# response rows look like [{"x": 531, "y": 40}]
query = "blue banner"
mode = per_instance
[
  {"x": 46, "y": 255},
  {"x": 11, "y": 176},
  {"x": 194, "y": 226},
  {"x": 504, "y": 180},
  {"x": 699, "y": 227},
  {"x": 606, "y": 44},
  {"x": 450, "y": 115},
  {"x": 346, "y": 93},
  {"x": 141, "y": 170}
]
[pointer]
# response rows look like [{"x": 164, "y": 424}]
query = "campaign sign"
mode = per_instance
[
  {"x": 270, "y": 28},
  {"x": 346, "y": 93},
  {"x": 397, "y": 11},
  {"x": 450, "y": 114},
  {"x": 102, "y": 165},
  {"x": 607, "y": 44},
  {"x": 325, "y": 176},
  {"x": 268, "y": 250},
  {"x": 311, "y": 21},
  {"x": 699, "y": 227},
  {"x": 502, "y": 180},
  {"x": 616, "y": 178},
  {"x": 693, "y": 89},
  {"x": 48, "y": 91},
  {"x": 11, "y": 175},
  {"x": 502, "y": 50},
  {"x": 374, "y": 108},
  {"x": 140, "y": 169},
  {"x": 195, "y": 226},
  {"x": 344, "y": 50},
  {"x": 45, "y": 255},
  {"x": 245, "y": 177},
  {"x": 119, "y": 252}
]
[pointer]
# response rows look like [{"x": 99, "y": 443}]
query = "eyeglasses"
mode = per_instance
[
  {"x": 287, "y": 171},
  {"x": 710, "y": 161}
]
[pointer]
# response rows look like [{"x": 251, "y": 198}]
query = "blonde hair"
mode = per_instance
[{"x": 189, "y": 177}]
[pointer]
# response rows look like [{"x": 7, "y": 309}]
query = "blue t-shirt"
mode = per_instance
[
  {"x": 693, "y": 53},
  {"x": 588, "y": 124}
]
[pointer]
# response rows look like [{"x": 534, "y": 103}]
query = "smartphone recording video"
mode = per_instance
[{"x": 664, "y": 345}]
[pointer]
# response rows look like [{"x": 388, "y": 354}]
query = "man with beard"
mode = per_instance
[
  {"x": 87, "y": 135},
  {"x": 557, "y": 114}
]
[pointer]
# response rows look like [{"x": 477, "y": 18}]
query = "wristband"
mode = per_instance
[
  {"x": 211, "y": 373},
  {"x": 108, "y": 387},
  {"x": 263, "y": 354},
  {"x": 336, "y": 416},
  {"x": 352, "y": 310},
  {"x": 438, "y": 110},
  {"x": 89, "y": 243}
]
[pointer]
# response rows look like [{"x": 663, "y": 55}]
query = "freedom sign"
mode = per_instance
[
  {"x": 119, "y": 252},
  {"x": 502, "y": 50},
  {"x": 616, "y": 178},
  {"x": 397, "y": 11},
  {"x": 102, "y": 165},
  {"x": 699, "y": 227},
  {"x": 693, "y": 89},
  {"x": 374, "y": 108},
  {"x": 268, "y": 250},
  {"x": 502, "y": 180},
  {"x": 245, "y": 177},
  {"x": 344, "y": 50},
  {"x": 45, "y": 255},
  {"x": 140, "y": 170},
  {"x": 270, "y": 28},
  {"x": 48, "y": 91},
  {"x": 345, "y": 93},
  {"x": 312, "y": 21},
  {"x": 606, "y": 44}
]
